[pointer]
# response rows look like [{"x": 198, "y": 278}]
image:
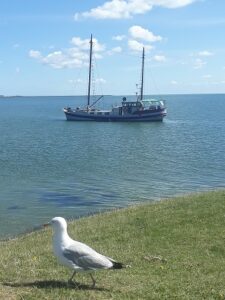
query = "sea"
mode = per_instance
[{"x": 52, "y": 167}]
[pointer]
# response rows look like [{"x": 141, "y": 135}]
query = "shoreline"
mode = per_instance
[{"x": 106, "y": 211}]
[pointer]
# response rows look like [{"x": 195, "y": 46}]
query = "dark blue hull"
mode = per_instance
[{"x": 149, "y": 117}]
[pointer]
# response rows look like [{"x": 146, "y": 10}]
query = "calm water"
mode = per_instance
[{"x": 50, "y": 167}]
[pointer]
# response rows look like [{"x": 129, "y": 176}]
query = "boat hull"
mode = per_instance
[{"x": 85, "y": 116}]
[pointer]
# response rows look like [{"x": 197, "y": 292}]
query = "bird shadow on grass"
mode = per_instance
[{"x": 49, "y": 284}]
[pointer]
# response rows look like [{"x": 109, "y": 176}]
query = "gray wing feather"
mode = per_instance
[
  {"x": 87, "y": 260},
  {"x": 71, "y": 255}
]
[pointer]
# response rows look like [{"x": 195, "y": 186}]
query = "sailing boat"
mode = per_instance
[{"x": 139, "y": 110}]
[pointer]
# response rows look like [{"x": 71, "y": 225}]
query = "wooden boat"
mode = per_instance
[{"x": 139, "y": 110}]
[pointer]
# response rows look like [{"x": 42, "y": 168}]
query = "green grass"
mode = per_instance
[{"x": 176, "y": 249}]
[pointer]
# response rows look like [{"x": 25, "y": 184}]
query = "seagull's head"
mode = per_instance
[{"x": 58, "y": 224}]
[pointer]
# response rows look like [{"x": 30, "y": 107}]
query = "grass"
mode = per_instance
[{"x": 176, "y": 249}]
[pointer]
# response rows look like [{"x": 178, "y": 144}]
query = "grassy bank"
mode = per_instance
[{"x": 176, "y": 249}]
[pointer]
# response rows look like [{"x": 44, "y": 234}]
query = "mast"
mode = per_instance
[
  {"x": 142, "y": 73},
  {"x": 89, "y": 77}
]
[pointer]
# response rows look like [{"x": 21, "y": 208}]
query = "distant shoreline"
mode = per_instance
[{"x": 108, "y": 95}]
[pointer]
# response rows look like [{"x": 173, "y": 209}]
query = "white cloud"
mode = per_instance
[
  {"x": 199, "y": 63},
  {"x": 59, "y": 60},
  {"x": 35, "y": 54},
  {"x": 81, "y": 81},
  {"x": 117, "y": 9},
  {"x": 136, "y": 46},
  {"x": 76, "y": 53},
  {"x": 138, "y": 32},
  {"x": 159, "y": 58},
  {"x": 173, "y": 3},
  {"x": 124, "y": 9},
  {"x": 100, "y": 80},
  {"x": 205, "y": 53},
  {"x": 74, "y": 57},
  {"x": 76, "y": 81},
  {"x": 174, "y": 82},
  {"x": 81, "y": 44},
  {"x": 119, "y": 37},
  {"x": 144, "y": 36},
  {"x": 98, "y": 56},
  {"x": 207, "y": 76},
  {"x": 115, "y": 50},
  {"x": 85, "y": 44}
]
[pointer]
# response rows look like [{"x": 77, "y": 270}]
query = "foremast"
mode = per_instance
[{"x": 90, "y": 69}]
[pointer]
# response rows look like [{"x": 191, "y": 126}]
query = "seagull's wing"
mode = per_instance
[{"x": 86, "y": 258}]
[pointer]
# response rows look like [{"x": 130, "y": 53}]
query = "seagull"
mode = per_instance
[{"x": 76, "y": 255}]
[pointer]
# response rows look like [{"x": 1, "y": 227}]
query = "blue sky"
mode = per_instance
[{"x": 44, "y": 46}]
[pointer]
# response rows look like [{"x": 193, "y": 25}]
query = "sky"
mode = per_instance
[{"x": 45, "y": 46}]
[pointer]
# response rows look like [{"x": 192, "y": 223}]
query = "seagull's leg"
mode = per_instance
[
  {"x": 71, "y": 278},
  {"x": 93, "y": 280}
]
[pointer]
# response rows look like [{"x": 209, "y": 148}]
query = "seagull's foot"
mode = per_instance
[
  {"x": 73, "y": 283},
  {"x": 93, "y": 281}
]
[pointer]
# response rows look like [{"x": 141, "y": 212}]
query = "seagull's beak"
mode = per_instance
[{"x": 47, "y": 224}]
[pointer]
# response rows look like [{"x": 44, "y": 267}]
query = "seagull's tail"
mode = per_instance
[{"x": 118, "y": 265}]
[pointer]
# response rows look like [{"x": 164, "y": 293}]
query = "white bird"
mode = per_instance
[{"x": 76, "y": 255}]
